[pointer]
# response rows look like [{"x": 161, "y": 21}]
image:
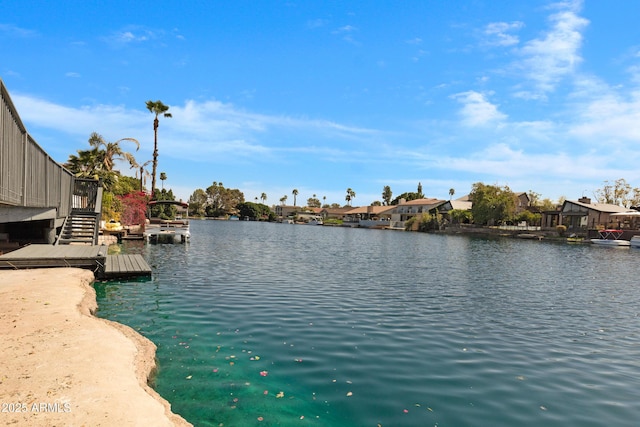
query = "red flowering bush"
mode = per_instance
[{"x": 134, "y": 208}]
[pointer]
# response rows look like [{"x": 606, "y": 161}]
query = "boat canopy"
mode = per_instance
[{"x": 168, "y": 202}]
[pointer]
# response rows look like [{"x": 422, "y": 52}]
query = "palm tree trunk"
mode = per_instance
[{"x": 155, "y": 155}]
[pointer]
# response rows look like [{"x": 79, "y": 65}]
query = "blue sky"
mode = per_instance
[{"x": 321, "y": 96}]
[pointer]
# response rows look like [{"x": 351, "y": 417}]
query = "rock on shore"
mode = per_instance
[{"x": 60, "y": 365}]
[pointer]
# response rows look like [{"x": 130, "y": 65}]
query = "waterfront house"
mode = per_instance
[
  {"x": 406, "y": 210},
  {"x": 335, "y": 213},
  {"x": 40, "y": 200},
  {"x": 582, "y": 214},
  {"x": 462, "y": 204},
  {"x": 287, "y": 211},
  {"x": 370, "y": 216},
  {"x": 523, "y": 202}
]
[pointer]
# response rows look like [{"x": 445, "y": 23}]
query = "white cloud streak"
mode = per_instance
[
  {"x": 555, "y": 55},
  {"x": 499, "y": 33}
]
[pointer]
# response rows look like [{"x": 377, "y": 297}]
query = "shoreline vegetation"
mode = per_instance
[{"x": 62, "y": 365}]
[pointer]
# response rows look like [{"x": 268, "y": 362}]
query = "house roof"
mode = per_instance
[
  {"x": 375, "y": 210},
  {"x": 421, "y": 202},
  {"x": 599, "y": 207},
  {"x": 337, "y": 211},
  {"x": 464, "y": 205}
]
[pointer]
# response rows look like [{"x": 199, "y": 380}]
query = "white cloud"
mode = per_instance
[
  {"x": 555, "y": 55},
  {"x": 198, "y": 131},
  {"x": 130, "y": 35},
  {"x": 477, "y": 110},
  {"x": 15, "y": 31},
  {"x": 416, "y": 40},
  {"x": 499, "y": 33}
]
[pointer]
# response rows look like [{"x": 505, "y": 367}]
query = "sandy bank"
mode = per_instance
[{"x": 61, "y": 366}]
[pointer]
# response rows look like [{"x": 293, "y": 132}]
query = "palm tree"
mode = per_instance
[
  {"x": 143, "y": 172},
  {"x": 263, "y": 197},
  {"x": 451, "y": 193},
  {"x": 112, "y": 150},
  {"x": 156, "y": 108},
  {"x": 163, "y": 176},
  {"x": 283, "y": 199},
  {"x": 324, "y": 200},
  {"x": 350, "y": 196},
  {"x": 98, "y": 162},
  {"x": 295, "y": 193}
]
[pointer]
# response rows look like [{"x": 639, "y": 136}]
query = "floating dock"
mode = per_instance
[{"x": 94, "y": 258}]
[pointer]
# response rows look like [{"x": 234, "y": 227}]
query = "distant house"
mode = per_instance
[
  {"x": 581, "y": 214},
  {"x": 404, "y": 210},
  {"x": 463, "y": 204},
  {"x": 370, "y": 212},
  {"x": 286, "y": 211},
  {"x": 370, "y": 216},
  {"x": 335, "y": 213},
  {"x": 522, "y": 203}
]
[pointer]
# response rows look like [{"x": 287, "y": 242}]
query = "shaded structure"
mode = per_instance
[{"x": 48, "y": 216}]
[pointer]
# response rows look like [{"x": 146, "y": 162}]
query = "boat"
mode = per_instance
[
  {"x": 635, "y": 242},
  {"x": 574, "y": 238},
  {"x": 160, "y": 230},
  {"x": 315, "y": 221},
  {"x": 611, "y": 238}
]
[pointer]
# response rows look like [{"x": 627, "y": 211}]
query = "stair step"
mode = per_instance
[
  {"x": 80, "y": 228},
  {"x": 67, "y": 241}
]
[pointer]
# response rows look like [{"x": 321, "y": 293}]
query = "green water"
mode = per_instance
[{"x": 289, "y": 325}]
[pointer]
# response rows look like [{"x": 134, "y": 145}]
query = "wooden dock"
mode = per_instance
[
  {"x": 94, "y": 258},
  {"x": 125, "y": 266}
]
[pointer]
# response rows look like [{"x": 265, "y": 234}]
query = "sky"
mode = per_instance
[{"x": 320, "y": 96}]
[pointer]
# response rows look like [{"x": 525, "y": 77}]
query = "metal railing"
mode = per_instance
[{"x": 29, "y": 177}]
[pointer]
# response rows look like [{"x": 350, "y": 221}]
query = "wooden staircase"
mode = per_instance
[{"x": 81, "y": 227}]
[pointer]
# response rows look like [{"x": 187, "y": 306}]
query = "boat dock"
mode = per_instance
[{"x": 94, "y": 258}]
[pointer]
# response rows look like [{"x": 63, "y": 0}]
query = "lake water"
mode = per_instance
[{"x": 261, "y": 324}]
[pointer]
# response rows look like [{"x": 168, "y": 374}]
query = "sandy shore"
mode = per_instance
[{"x": 61, "y": 366}]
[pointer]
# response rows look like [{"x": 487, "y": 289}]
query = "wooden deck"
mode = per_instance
[
  {"x": 124, "y": 266},
  {"x": 94, "y": 258}
]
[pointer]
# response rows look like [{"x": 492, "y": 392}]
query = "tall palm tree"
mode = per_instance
[
  {"x": 163, "y": 176},
  {"x": 157, "y": 108},
  {"x": 263, "y": 197},
  {"x": 451, "y": 193},
  {"x": 295, "y": 193}
]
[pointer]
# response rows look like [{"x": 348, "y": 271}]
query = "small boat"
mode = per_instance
[
  {"x": 315, "y": 221},
  {"x": 611, "y": 238},
  {"x": 635, "y": 242},
  {"x": 158, "y": 230}
]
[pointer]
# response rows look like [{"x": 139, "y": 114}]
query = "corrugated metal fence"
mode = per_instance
[{"x": 29, "y": 177}]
